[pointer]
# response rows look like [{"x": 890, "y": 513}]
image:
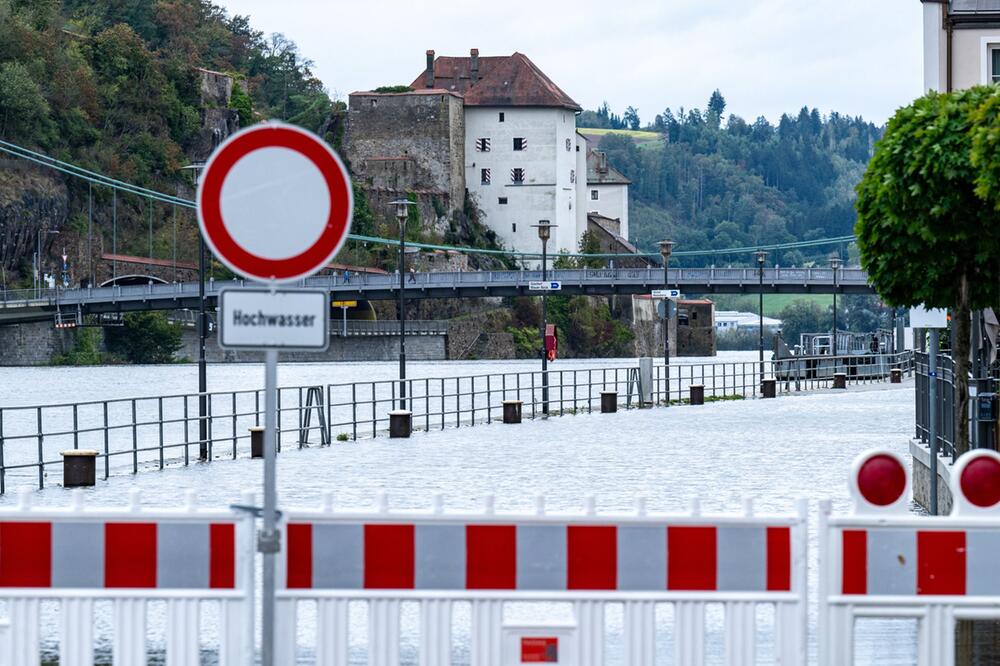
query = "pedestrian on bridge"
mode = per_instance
[
  {"x": 413, "y": 275},
  {"x": 347, "y": 276}
]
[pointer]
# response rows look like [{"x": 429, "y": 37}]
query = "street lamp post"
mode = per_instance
[
  {"x": 835, "y": 265},
  {"x": 197, "y": 168},
  {"x": 402, "y": 213},
  {"x": 761, "y": 256},
  {"x": 544, "y": 233},
  {"x": 666, "y": 248}
]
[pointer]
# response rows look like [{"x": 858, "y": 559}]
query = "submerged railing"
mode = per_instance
[{"x": 134, "y": 434}]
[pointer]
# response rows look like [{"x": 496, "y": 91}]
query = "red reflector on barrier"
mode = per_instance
[
  {"x": 881, "y": 480},
  {"x": 980, "y": 482},
  {"x": 539, "y": 650}
]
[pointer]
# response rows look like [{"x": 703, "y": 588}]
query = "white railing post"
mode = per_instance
[
  {"x": 182, "y": 632},
  {"x": 689, "y": 633},
  {"x": 640, "y": 633},
  {"x": 383, "y": 632},
  {"x": 487, "y": 630},
  {"x": 76, "y": 644},
  {"x": 590, "y": 629},
  {"x": 130, "y": 632},
  {"x": 435, "y": 632},
  {"x": 332, "y": 638}
]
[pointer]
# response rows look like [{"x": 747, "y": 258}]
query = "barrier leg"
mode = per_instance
[
  {"x": 689, "y": 633},
  {"x": 590, "y": 628},
  {"x": 285, "y": 635},
  {"x": 236, "y": 642},
  {"x": 182, "y": 632},
  {"x": 937, "y": 637},
  {"x": 24, "y": 639},
  {"x": 130, "y": 632},
  {"x": 487, "y": 630},
  {"x": 741, "y": 632},
  {"x": 331, "y": 632},
  {"x": 383, "y": 632},
  {"x": 435, "y": 632},
  {"x": 76, "y": 644},
  {"x": 640, "y": 633}
]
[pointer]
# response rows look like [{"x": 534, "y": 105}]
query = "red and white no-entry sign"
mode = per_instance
[{"x": 275, "y": 203}]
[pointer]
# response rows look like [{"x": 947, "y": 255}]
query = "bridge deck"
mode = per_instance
[{"x": 28, "y": 305}]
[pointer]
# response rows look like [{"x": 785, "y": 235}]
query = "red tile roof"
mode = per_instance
[{"x": 502, "y": 81}]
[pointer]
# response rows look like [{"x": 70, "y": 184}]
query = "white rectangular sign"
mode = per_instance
[
  {"x": 286, "y": 319},
  {"x": 923, "y": 318},
  {"x": 666, "y": 293},
  {"x": 553, "y": 285}
]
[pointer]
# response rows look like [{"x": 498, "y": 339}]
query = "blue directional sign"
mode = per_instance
[{"x": 552, "y": 285}]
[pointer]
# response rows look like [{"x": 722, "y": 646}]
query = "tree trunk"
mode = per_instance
[{"x": 963, "y": 334}]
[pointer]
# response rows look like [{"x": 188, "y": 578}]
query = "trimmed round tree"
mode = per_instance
[{"x": 924, "y": 233}]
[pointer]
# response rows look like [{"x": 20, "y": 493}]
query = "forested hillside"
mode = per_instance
[
  {"x": 113, "y": 85},
  {"x": 715, "y": 182}
]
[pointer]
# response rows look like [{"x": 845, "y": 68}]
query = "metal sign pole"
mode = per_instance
[
  {"x": 932, "y": 356},
  {"x": 268, "y": 543}
]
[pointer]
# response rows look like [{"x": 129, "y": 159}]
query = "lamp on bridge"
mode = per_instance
[
  {"x": 666, "y": 248},
  {"x": 402, "y": 214},
  {"x": 761, "y": 257},
  {"x": 835, "y": 265},
  {"x": 544, "y": 228}
]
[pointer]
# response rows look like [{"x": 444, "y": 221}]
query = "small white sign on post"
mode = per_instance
[
  {"x": 924, "y": 318},
  {"x": 666, "y": 293},
  {"x": 287, "y": 320},
  {"x": 551, "y": 285}
]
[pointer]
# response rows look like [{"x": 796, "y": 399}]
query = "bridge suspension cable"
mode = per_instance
[{"x": 97, "y": 178}]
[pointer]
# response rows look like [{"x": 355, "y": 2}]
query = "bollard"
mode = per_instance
[
  {"x": 257, "y": 442},
  {"x": 840, "y": 380},
  {"x": 697, "y": 394},
  {"x": 896, "y": 376},
  {"x": 609, "y": 402},
  {"x": 79, "y": 468},
  {"x": 768, "y": 388},
  {"x": 400, "y": 423},
  {"x": 512, "y": 411}
]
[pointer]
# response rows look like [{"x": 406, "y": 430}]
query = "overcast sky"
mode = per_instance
[{"x": 860, "y": 57}]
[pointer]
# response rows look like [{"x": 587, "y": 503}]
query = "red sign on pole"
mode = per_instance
[{"x": 275, "y": 203}]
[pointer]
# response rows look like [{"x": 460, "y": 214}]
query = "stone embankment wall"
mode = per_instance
[
  {"x": 33, "y": 344},
  {"x": 359, "y": 348},
  {"x": 921, "y": 456}
]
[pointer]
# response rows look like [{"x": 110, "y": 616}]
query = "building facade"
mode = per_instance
[
  {"x": 496, "y": 128},
  {"x": 961, "y": 43}
]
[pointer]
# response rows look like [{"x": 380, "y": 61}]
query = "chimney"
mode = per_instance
[
  {"x": 475, "y": 65},
  {"x": 603, "y": 167},
  {"x": 429, "y": 75}
]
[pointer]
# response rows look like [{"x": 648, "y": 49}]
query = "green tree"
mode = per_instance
[
  {"x": 241, "y": 102},
  {"x": 24, "y": 112},
  {"x": 924, "y": 234},
  {"x": 802, "y": 316},
  {"x": 146, "y": 337},
  {"x": 590, "y": 244}
]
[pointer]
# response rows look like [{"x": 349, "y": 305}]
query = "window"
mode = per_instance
[
  {"x": 513, "y": 227},
  {"x": 520, "y": 143},
  {"x": 517, "y": 175},
  {"x": 595, "y": 195},
  {"x": 572, "y": 175},
  {"x": 501, "y": 116},
  {"x": 568, "y": 143},
  {"x": 502, "y": 201},
  {"x": 485, "y": 176},
  {"x": 482, "y": 145},
  {"x": 995, "y": 65}
]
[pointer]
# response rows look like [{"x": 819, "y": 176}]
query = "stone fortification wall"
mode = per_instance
[
  {"x": 33, "y": 344},
  {"x": 408, "y": 142}
]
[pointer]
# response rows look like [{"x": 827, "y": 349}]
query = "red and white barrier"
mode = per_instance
[
  {"x": 884, "y": 561},
  {"x": 78, "y": 556},
  {"x": 590, "y": 559}
]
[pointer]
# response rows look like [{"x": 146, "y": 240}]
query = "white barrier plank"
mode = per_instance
[
  {"x": 332, "y": 638},
  {"x": 76, "y": 645},
  {"x": 435, "y": 632},
  {"x": 236, "y": 634},
  {"x": 383, "y": 632},
  {"x": 590, "y": 624},
  {"x": 182, "y": 632},
  {"x": 640, "y": 633},
  {"x": 689, "y": 633},
  {"x": 285, "y": 635},
  {"x": 487, "y": 632},
  {"x": 130, "y": 632},
  {"x": 740, "y": 632},
  {"x": 24, "y": 638}
]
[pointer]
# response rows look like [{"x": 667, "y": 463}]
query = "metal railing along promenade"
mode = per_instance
[
  {"x": 134, "y": 434},
  {"x": 386, "y": 327}
]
